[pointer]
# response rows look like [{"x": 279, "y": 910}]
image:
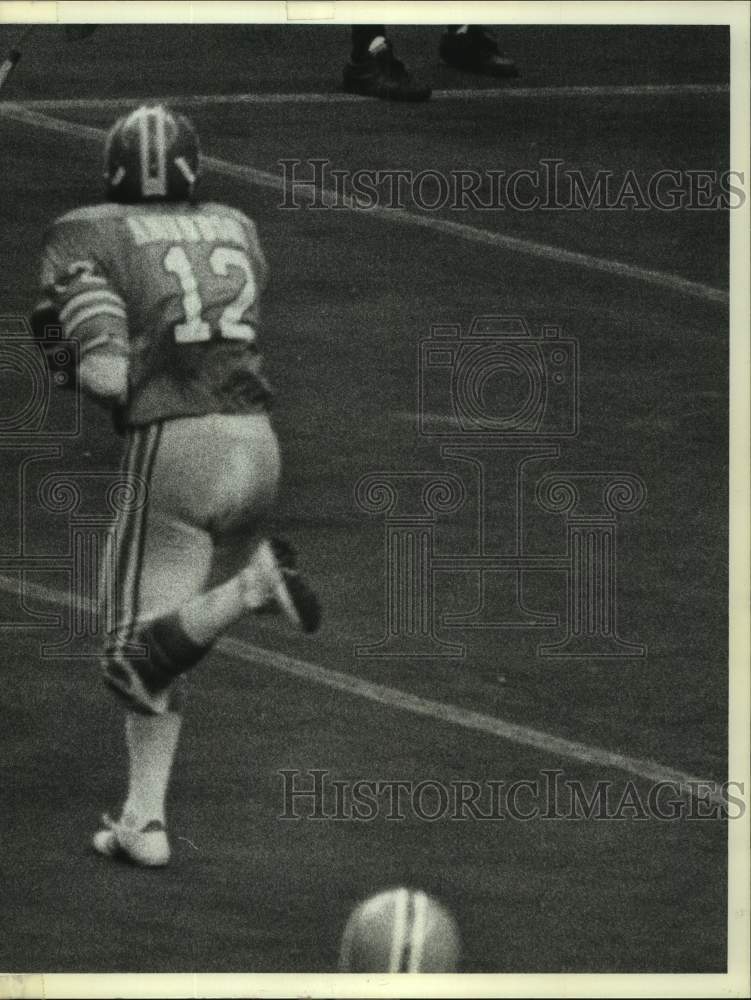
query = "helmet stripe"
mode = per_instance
[
  {"x": 399, "y": 933},
  {"x": 419, "y": 926},
  {"x": 182, "y": 165},
  {"x": 153, "y": 152},
  {"x": 143, "y": 146}
]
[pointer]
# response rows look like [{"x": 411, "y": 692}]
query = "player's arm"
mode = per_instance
[{"x": 88, "y": 309}]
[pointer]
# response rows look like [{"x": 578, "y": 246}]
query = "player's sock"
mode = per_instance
[
  {"x": 152, "y": 742},
  {"x": 379, "y": 44},
  {"x": 269, "y": 583},
  {"x": 205, "y": 617},
  {"x": 179, "y": 640},
  {"x": 366, "y": 38}
]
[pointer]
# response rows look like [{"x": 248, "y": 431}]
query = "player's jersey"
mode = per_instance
[{"x": 173, "y": 286}]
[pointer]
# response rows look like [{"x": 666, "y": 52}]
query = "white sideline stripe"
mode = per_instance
[
  {"x": 525, "y": 247},
  {"x": 338, "y": 97},
  {"x": 511, "y": 732}
]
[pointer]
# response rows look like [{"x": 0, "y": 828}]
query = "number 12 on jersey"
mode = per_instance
[{"x": 194, "y": 327}]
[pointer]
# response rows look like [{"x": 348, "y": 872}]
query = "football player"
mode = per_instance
[{"x": 161, "y": 292}]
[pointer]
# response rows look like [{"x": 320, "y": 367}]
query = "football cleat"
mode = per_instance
[
  {"x": 475, "y": 51},
  {"x": 381, "y": 74},
  {"x": 273, "y": 572},
  {"x": 145, "y": 845},
  {"x": 130, "y": 681},
  {"x": 151, "y": 155}
]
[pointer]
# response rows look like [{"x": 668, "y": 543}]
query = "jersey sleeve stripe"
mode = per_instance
[
  {"x": 83, "y": 315},
  {"x": 82, "y": 299},
  {"x": 115, "y": 345},
  {"x": 70, "y": 284},
  {"x": 91, "y": 343}
]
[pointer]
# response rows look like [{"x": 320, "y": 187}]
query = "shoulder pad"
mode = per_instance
[
  {"x": 217, "y": 208},
  {"x": 93, "y": 213}
]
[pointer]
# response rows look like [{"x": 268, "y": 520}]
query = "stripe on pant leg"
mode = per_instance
[
  {"x": 152, "y": 449},
  {"x": 136, "y": 547},
  {"x": 122, "y": 535},
  {"x": 130, "y": 555}
]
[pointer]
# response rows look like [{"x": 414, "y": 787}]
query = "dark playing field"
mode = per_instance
[{"x": 352, "y": 295}]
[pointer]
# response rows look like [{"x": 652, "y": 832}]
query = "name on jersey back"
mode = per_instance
[{"x": 195, "y": 228}]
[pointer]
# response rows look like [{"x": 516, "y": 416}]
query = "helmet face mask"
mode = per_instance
[{"x": 151, "y": 154}]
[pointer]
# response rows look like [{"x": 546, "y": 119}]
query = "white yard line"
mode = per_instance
[
  {"x": 337, "y": 97},
  {"x": 403, "y": 701},
  {"x": 459, "y": 230}
]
